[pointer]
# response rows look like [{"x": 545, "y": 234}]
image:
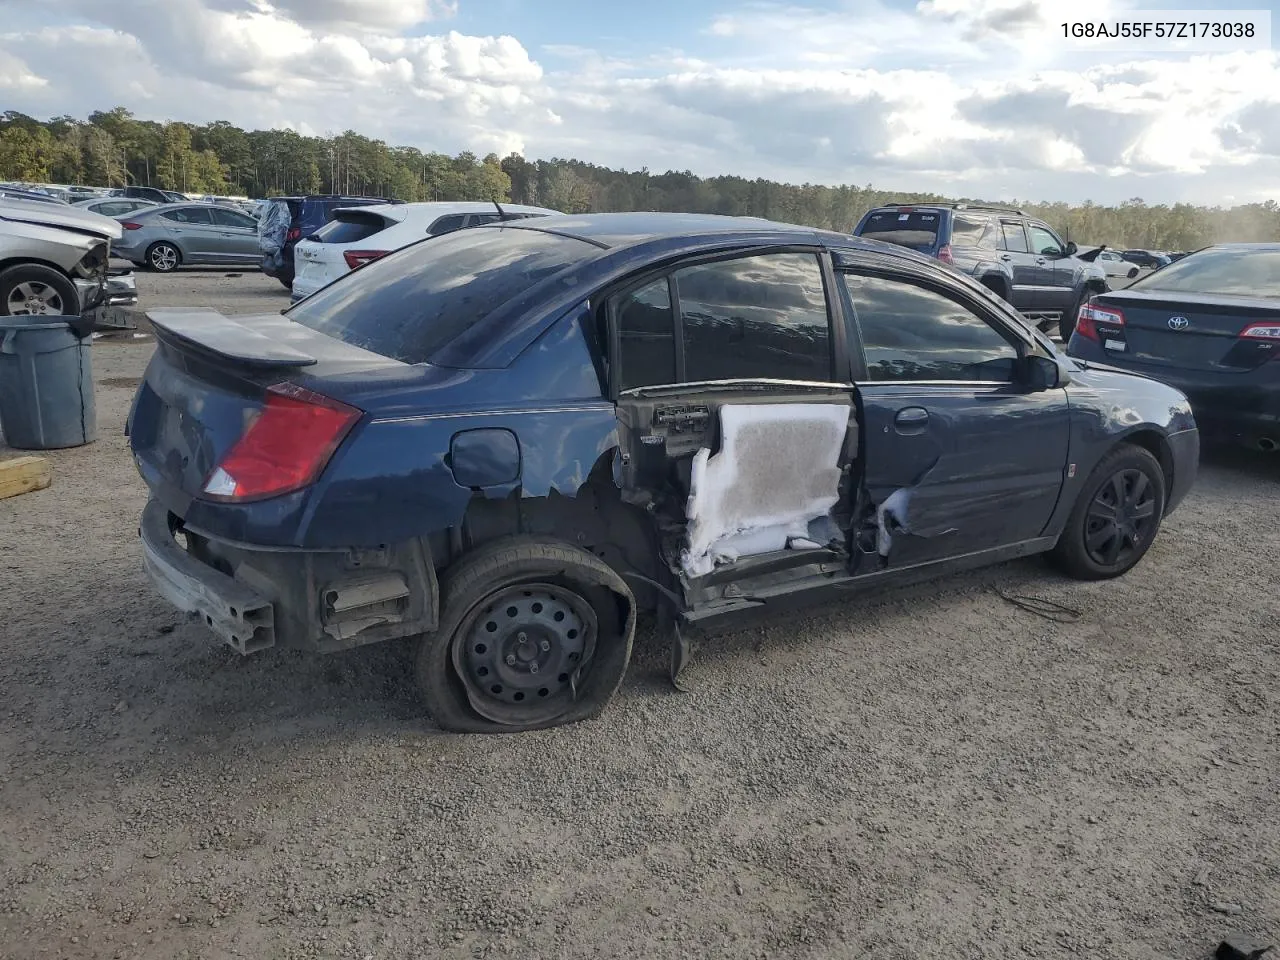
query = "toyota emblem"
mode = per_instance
[{"x": 1178, "y": 323}]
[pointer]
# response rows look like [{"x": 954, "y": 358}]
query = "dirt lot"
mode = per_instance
[{"x": 935, "y": 773}]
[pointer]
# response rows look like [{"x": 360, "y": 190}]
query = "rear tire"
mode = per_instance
[
  {"x": 531, "y": 636},
  {"x": 1133, "y": 273},
  {"x": 1116, "y": 517}
]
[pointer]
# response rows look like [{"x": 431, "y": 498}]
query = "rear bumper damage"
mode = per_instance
[
  {"x": 322, "y": 601},
  {"x": 240, "y": 616}
]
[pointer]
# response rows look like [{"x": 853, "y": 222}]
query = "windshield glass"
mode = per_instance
[
  {"x": 1231, "y": 271},
  {"x": 410, "y": 304}
]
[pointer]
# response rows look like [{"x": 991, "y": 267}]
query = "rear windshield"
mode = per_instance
[
  {"x": 410, "y": 304},
  {"x": 916, "y": 229},
  {"x": 350, "y": 227},
  {"x": 1234, "y": 272}
]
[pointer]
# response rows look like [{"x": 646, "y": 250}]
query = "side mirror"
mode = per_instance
[
  {"x": 1072, "y": 249},
  {"x": 1038, "y": 373}
]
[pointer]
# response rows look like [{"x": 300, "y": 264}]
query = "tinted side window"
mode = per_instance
[
  {"x": 968, "y": 230},
  {"x": 1043, "y": 242},
  {"x": 762, "y": 317},
  {"x": 114, "y": 209},
  {"x": 447, "y": 224},
  {"x": 1015, "y": 238},
  {"x": 911, "y": 333},
  {"x": 229, "y": 218},
  {"x": 476, "y": 219},
  {"x": 646, "y": 333},
  {"x": 189, "y": 215}
]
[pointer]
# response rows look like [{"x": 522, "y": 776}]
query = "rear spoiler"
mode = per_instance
[{"x": 206, "y": 331}]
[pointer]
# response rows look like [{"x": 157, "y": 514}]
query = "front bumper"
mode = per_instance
[
  {"x": 107, "y": 302},
  {"x": 122, "y": 288},
  {"x": 239, "y": 616}
]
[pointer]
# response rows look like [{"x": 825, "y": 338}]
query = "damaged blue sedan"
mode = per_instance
[{"x": 509, "y": 442}]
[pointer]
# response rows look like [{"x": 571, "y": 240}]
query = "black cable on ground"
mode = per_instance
[{"x": 1047, "y": 609}]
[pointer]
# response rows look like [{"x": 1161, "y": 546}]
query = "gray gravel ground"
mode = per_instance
[{"x": 931, "y": 773}]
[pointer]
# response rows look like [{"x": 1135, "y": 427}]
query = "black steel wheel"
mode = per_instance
[
  {"x": 1116, "y": 517},
  {"x": 523, "y": 647},
  {"x": 533, "y": 633}
]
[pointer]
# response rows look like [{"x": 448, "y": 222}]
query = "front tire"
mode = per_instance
[
  {"x": 1133, "y": 273},
  {"x": 533, "y": 634},
  {"x": 163, "y": 257},
  {"x": 30, "y": 289},
  {"x": 1116, "y": 517}
]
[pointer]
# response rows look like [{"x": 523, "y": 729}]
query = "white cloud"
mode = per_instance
[{"x": 969, "y": 97}]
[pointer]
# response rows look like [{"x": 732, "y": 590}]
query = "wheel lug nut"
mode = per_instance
[
  {"x": 533, "y": 666},
  {"x": 522, "y": 637},
  {"x": 545, "y": 645},
  {"x": 511, "y": 659}
]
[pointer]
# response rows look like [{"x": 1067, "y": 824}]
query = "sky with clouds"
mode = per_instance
[{"x": 965, "y": 97}]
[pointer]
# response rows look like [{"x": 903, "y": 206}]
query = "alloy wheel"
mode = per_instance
[
  {"x": 164, "y": 257},
  {"x": 33, "y": 298}
]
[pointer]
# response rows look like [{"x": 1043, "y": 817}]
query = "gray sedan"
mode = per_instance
[
  {"x": 114, "y": 206},
  {"x": 165, "y": 237}
]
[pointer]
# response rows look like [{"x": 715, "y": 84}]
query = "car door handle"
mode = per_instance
[
  {"x": 1041, "y": 261},
  {"x": 1006, "y": 256},
  {"x": 911, "y": 419}
]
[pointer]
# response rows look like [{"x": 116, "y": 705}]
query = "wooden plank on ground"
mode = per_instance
[{"x": 24, "y": 474}]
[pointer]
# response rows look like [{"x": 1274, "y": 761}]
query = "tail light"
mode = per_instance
[
  {"x": 130, "y": 225},
  {"x": 945, "y": 254},
  {"x": 1090, "y": 316},
  {"x": 285, "y": 448},
  {"x": 358, "y": 258},
  {"x": 295, "y": 233},
  {"x": 1262, "y": 331}
]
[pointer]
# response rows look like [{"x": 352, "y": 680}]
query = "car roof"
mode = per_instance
[{"x": 616, "y": 230}]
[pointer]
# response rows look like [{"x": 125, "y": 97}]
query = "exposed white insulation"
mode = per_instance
[{"x": 778, "y": 471}]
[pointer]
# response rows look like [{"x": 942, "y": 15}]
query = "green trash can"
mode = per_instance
[{"x": 46, "y": 384}]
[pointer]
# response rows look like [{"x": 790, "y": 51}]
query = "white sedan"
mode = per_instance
[
  {"x": 1115, "y": 265},
  {"x": 357, "y": 235}
]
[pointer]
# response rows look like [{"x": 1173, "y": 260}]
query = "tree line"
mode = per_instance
[{"x": 113, "y": 148}]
